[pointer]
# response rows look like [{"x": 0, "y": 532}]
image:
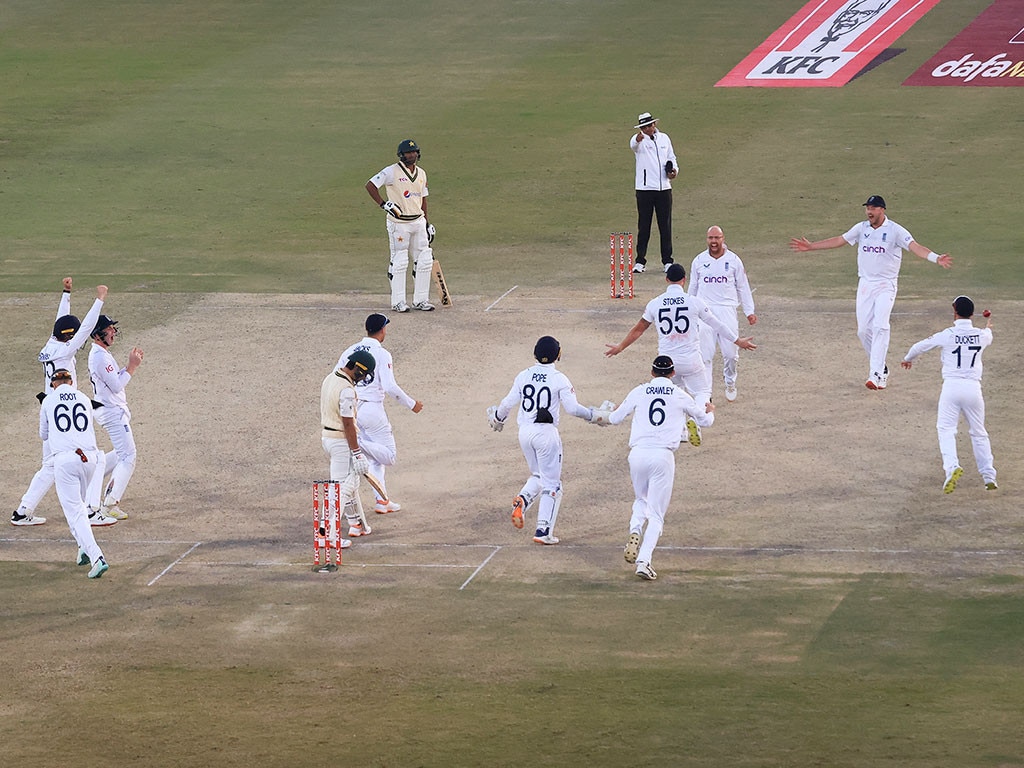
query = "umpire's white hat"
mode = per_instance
[{"x": 645, "y": 119}]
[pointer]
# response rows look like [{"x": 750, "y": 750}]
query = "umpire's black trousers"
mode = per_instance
[{"x": 648, "y": 203}]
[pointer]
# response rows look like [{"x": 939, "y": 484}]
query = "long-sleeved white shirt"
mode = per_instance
[{"x": 651, "y": 154}]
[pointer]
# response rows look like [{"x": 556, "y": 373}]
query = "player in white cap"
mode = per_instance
[
  {"x": 409, "y": 232},
  {"x": 718, "y": 277},
  {"x": 69, "y": 336},
  {"x": 660, "y": 411},
  {"x": 541, "y": 393},
  {"x": 961, "y": 347},
  {"x": 880, "y": 243},
  {"x": 375, "y": 434}
]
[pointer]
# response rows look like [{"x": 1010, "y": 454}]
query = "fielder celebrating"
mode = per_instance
[
  {"x": 880, "y": 244},
  {"x": 109, "y": 382},
  {"x": 408, "y": 228},
  {"x": 541, "y": 392},
  {"x": 676, "y": 314},
  {"x": 660, "y": 413},
  {"x": 65, "y": 423},
  {"x": 717, "y": 276},
  {"x": 961, "y": 347},
  {"x": 375, "y": 434},
  {"x": 69, "y": 336},
  {"x": 339, "y": 437}
]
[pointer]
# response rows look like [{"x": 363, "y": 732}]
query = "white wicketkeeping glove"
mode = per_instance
[
  {"x": 493, "y": 420},
  {"x": 430, "y": 233},
  {"x": 360, "y": 463},
  {"x": 392, "y": 208}
]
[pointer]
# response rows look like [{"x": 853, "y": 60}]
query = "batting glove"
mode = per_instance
[
  {"x": 360, "y": 463},
  {"x": 430, "y": 233},
  {"x": 392, "y": 208},
  {"x": 492, "y": 418}
]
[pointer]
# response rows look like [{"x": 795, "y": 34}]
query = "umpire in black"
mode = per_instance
[{"x": 655, "y": 168}]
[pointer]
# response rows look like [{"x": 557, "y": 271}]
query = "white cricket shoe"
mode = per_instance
[
  {"x": 355, "y": 531},
  {"x": 952, "y": 479},
  {"x": 632, "y": 547},
  {"x": 990, "y": 485},
  {"x": 639, "y": 267},
  {"x": 98, "y": 520},
  {"x": 668, "y": 265},
  {"x": 543, "y": 536},
  {"x": 730, "y": 393},
  {"x": 693, "y": 432},
  {"x": 83, "y": 559},
  {"x": 400, "y": 307},
  {"x": 114, "y": 510},
  {"x": 99, "y": 568},
  {"x": 26, "y": 519},
  {"x": 386, "y": 509},
  {"x": 876, "y": 381},
  {"x": 423, "y": 306},
  {"x": 645, "y": 572}
]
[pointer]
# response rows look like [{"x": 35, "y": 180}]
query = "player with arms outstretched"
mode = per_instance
[
  {"x": 660, "y": 412},
  {"x": 541, "y": 392}
]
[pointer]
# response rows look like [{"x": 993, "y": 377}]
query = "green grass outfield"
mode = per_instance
[
  {"x": 216, "y": 145},
  {"x": 222, "y": 146}
]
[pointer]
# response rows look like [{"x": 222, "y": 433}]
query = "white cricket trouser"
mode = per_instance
[
  {"x": 121, "y": 465},
  {"x": 343, "y": 471},
  {"x": 376, "y": 438},
  {"x": 405, "y": 238},
  {"x": 709, "y": 338},
  {"x": 964, "y": 396},
  {"x": 72, "y": 477},
  {"x": 653, "y": 471},
  {"x": 691, "y": 374},
  {"x": 875, "y": 299},
  {"x": 542, "y": 448},
  {"x": 41, "y": 482}
]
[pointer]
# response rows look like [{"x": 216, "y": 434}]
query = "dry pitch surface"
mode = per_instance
[{"x": 808, "y": 470}]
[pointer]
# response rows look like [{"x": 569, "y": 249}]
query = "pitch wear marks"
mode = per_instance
[
  {"x": 988, "y": 52},
  {"x": 826, "y": 43}
]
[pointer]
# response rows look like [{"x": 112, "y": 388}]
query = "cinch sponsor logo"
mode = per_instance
[
  {"x": 967, "y": 67},
  {"x": 872, "y": 249},
  {"x": 713, "y": 279}
]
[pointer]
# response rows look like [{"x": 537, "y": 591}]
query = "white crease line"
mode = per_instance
[
  {"x": 165, "y": 570},
  {"x": 479, "y": 568},
  {"x": 506, "y": 293}
]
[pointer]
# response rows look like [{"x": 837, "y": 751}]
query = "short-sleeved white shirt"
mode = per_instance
[{"x": 879, "y": 251}]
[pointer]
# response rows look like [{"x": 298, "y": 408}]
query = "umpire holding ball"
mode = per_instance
[{"x": 655, "y": 169}]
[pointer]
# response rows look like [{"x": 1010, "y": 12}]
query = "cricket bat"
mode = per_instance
[{"x": 442, "y": 286}]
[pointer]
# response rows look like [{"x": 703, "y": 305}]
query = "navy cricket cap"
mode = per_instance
[
  {"x": 663, "y": 365},
  {"x": 675, "y": 273},
  {"x": 375, "y": 322},
  {"x": 963, "y": 306},
  {"x": 876, "y": 200}
]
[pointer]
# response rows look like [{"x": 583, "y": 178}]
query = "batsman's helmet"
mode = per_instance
[
  {"x": 547, "y": 349},
  {"x": 963, "y": 306},
  {"x": 408, "y": 146},
  {"x": 60, "y": 376},
  {"x": 66, "y": 327},
  {"x": 663, "y": 366},
  {"x": 102, "y": 324},
  {"x": 362, "y": 362}
]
